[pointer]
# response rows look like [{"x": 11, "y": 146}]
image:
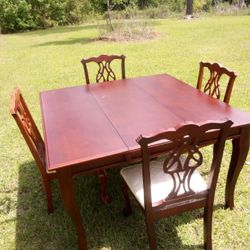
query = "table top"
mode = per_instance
[{"x": 94, "y": 121}]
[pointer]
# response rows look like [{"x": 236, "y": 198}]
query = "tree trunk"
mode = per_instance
[
  {"x": 189, "y": 7},
  {"x": 142, "y": 4},
  {"x": 109, "y": 18}
]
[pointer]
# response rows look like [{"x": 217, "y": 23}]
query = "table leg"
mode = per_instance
[
  {"x": 66, "y": 184},
  {"x": 239, "y": 155}
]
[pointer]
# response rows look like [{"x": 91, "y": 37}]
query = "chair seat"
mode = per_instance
[{"x": 161, "y": 183}]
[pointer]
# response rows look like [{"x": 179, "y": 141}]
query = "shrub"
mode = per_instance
[
  {"x": 15, "y": 16},
  {"x": 225, "y": 8},
  {"x": 18, "y": 15},
  {"x": 77, "y": 10},
  {"x": 135, "y": 13},
  {"x": 176, "y": 5},
  {"x": 127, "y": 30},
  {"x": 202, "y": 5},
  {"x": 47, "y": 13},
  {"x": 159, "y": 12}
]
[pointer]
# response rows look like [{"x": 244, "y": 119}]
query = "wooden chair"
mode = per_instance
[
  {"x": 30, "y": 132},
  {"x": 173, "y": 184},
  {"x": 212, "y": 86},
  {"x": 105, "y": 72}
]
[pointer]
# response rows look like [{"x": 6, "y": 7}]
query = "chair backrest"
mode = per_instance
[
  {"x": 212, "y": 86},
  {"x": 28, "y": 128},
  {"x": 105, "y": 72},
  {"x": 183, "y": 157}
]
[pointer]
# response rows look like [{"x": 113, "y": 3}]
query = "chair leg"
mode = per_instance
[
  {"x": 151, "y": 234},
  {"x": 127, "y": 210},
  {"x": 48, "y": 193},
  {"x": 208, "y": 213},
  {"x": 102, "y": 175}
]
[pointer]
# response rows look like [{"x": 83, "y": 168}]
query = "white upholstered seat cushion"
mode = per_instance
[{"x": 161, "y": 183}]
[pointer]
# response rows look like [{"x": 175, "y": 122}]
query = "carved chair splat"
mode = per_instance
[
  {"x": 212, "y": 86},
  {"x": 173, "y": 184},
  {"x": 105, "y": 72}
]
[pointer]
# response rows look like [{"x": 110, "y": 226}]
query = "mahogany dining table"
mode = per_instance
[{"x": 92, "y": 127}]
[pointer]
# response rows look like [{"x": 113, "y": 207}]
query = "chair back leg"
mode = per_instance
[
  {"x": 127, "y": 210},
  {"x": 208, "y": 214},
  {"x": 102, "y": 175}
]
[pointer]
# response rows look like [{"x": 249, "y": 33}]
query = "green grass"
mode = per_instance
[{"x": 50, "y": 59}]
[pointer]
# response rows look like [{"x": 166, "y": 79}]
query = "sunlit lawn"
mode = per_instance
[{"x": 50, "y": 59}]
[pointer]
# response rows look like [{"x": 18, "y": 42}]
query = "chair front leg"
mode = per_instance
[
  {"x": 208, "y": 214},
  {"x": 127, "y": 210},
  {"x": 102, "y": 175},
  {"x": 151, "y": 233}
]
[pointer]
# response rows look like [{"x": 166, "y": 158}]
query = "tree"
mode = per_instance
[
  {"x": 142, "y": 4},
  {"x": 189, "y": 7},
  {"x": 109, "y": 17}
]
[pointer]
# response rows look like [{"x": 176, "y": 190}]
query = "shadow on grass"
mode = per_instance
[
  {"x": 68, "y": 42},
  {"x": 67, "y": 29},
  {"x": 59, "y": 30},
  {"x": 76, "y": 28},
  {"x": 105, "y": 224}
]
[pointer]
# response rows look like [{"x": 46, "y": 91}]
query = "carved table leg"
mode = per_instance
[
  {"x": 66, "y": 183},
  {"x": 239, "y": 155}
]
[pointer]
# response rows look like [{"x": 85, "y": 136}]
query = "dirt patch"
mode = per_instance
[
  {"x": 128, "y": 30},
  {"x": 128, "y": 37}
]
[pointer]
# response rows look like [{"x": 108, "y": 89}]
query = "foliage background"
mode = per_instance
[{"x": 18, "y": 15}]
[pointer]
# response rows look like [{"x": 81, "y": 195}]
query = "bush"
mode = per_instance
[
  {"x": 77, "y": 10},
  {"x": 15, "y": 16},
  {"x": 47, "y": 13},
  {"x": 127, "y": 30},
  {"x": 225, "y": 8},
  {"x": 159, "y": 12},
  {"x": 18, "y": 15},
  {"x": 135, "y": 13},
  {"x": 176, "y": 5},
  {"x": 202, "y": 5}
]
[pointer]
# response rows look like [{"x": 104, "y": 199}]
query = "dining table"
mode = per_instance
[{"x": 93, "y": 127}]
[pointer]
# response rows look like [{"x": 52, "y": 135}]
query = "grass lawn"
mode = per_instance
[{"x": 50, "y": 59}]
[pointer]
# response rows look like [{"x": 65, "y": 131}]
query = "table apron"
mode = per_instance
[{"x": 134, "y": 155}]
